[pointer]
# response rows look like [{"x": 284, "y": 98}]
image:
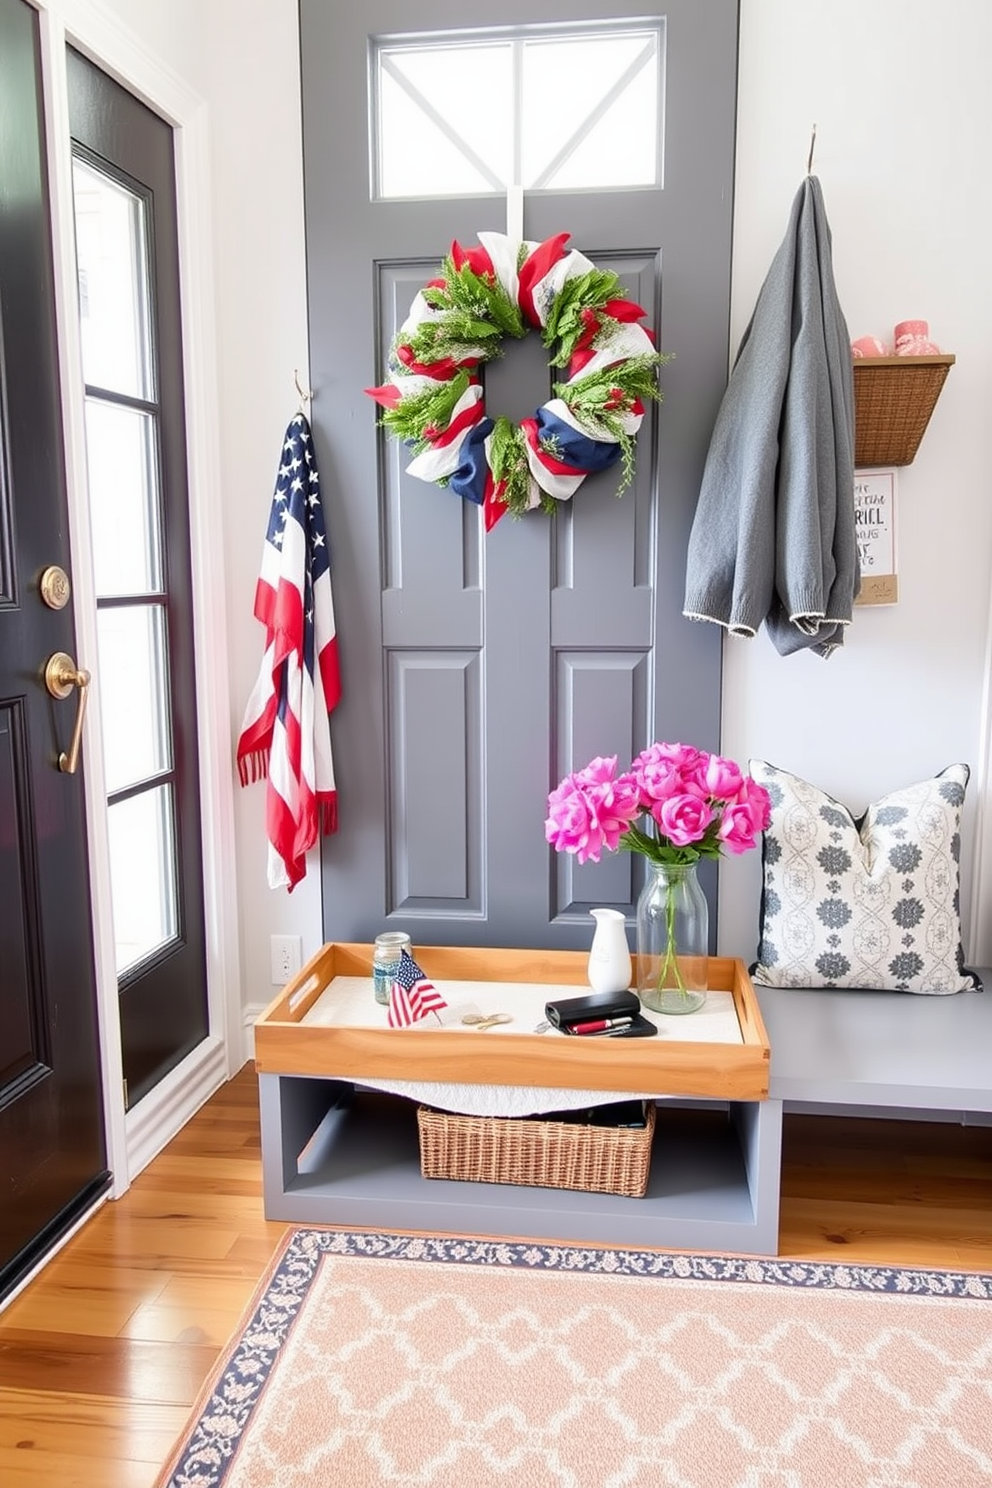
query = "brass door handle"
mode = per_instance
[{"x": 61, "y": 676}]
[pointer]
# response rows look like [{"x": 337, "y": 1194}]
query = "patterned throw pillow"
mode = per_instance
[{"x": 872, "y": 903}]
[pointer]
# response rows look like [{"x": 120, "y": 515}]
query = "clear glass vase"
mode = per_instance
[{"x": 673, "y": 922}]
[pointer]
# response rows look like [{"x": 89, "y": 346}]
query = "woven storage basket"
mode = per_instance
[
  {"x": 893, "y": 400},
  {"x": 544, "y": 1154}
]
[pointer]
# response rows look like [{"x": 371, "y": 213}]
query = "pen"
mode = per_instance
[{"x": 601, "y": 1025}]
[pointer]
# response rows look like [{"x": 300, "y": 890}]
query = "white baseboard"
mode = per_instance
[
  {"x": 252, "y": 1011},
  {"x": 165, "y": 1110}
]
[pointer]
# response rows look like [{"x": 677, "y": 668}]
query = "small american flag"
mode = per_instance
[
  {"x": 411, "y": 996},
  {"x": 286, "y": 733}
]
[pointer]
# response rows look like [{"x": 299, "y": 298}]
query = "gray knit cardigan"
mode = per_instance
[{"x": 773, "y": 538}]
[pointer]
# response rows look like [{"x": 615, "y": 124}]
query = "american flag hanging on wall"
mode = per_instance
[{"x": 286, "y": 735}]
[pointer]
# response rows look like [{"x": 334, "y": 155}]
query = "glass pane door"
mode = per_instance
[
  {"x": 122, "y": 437},
  {"x": 127, "y": 249}
]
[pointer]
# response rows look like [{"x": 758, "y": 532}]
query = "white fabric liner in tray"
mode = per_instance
[{"x": 349, "y": 1001}]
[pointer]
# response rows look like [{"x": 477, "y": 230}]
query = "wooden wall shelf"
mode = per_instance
[{"x": 893, "y": 400}]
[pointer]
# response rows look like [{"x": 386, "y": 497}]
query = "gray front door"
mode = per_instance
[{"x": 477, "y": 669}]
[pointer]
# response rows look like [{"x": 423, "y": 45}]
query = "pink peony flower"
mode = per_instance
[
  {"x": 698, "y": 805},
  {"x": 666, "y": 770},
  {"x": 683, "y": 819},
  {"x": 683, "y": 758},
  {"x": 736, "y": 829},
  {"x": 591, "y": 809},
  {"x": 754, "y": 796},
  {"x": 656, "y": 782},
  {"x": 720, "y": 778}
]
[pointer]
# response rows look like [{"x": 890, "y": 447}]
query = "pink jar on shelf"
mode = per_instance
[
  {"x": 912, "y": 338},
  {"x": 868, "y": 346}
]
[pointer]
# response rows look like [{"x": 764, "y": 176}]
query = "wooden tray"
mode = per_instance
[{"x": 666, "y": 1065}]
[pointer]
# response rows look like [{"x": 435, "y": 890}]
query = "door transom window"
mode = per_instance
[{"x": 545, "y": 109}]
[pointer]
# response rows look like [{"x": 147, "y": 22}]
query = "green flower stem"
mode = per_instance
[
  {"x": 671, "y": 961},
  {"x": 678, "y": 860},
  {"x": 634, "y": 840}
]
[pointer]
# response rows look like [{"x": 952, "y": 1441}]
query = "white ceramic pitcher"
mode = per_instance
[{"x": 609, "y": 956}]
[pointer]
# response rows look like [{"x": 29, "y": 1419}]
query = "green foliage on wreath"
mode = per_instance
[
  {"x": 606, "y": 395},
  {"x": 414, "y": 415},
  {"x": 601, "y": 400},
  {"x": 508, "y": 462},
  {"x": 477, "y": 312},
  {"x": 458, "y": 337},
  {"x": 564, "y": 324}
]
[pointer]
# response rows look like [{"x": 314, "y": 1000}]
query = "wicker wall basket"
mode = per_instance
[
  {"x": 893, "y": 400},
  {"x": 543, "y": 1154}
]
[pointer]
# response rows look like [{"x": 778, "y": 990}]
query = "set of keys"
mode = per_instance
[{"x": 481, "y": 1021}]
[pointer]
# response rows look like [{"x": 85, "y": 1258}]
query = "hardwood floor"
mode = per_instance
[{"x": 103, "y": 1354}]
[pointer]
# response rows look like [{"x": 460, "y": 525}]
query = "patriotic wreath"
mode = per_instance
[{"x": 433, "y": 398}]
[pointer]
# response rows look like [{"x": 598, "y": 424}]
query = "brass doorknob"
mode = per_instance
[
  {"x": 61, "y": 676},
  {"x": 53, "y": 586}
]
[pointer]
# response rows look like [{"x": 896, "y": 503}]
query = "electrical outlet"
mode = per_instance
[{"x": 287, "y": 957}]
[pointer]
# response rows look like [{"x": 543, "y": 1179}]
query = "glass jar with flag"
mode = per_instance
[{"x": 386, "y": 954}]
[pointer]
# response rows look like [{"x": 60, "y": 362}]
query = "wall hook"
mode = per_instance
[
  {"x": 306, "y": 394},
  {"x": 809, "y": 161}
]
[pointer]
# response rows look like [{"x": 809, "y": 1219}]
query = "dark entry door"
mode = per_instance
[
  {"x": 478, "y": 669},
  {"x": 128, "y": 267},
  {"x": 52, "y": 1149}
]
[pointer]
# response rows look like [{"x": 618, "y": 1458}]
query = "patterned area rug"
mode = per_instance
[{"x": 369, "y": 1359}]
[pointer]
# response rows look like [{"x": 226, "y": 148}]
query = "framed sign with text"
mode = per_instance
[{"x": 875, "y": 526}]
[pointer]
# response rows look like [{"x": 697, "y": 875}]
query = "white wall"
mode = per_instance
[
  {"x": 898, "y": 91},
  {"x": 242, "y": 58},
  {"x": 246, "y": 53}
]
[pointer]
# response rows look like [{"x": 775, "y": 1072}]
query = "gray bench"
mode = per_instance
[
  {"x": 714, "y": 1181},
  {"x": 881, "y": 1052}
]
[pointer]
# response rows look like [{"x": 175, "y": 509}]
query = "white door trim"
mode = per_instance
[{"x": 105, "y": 41}]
